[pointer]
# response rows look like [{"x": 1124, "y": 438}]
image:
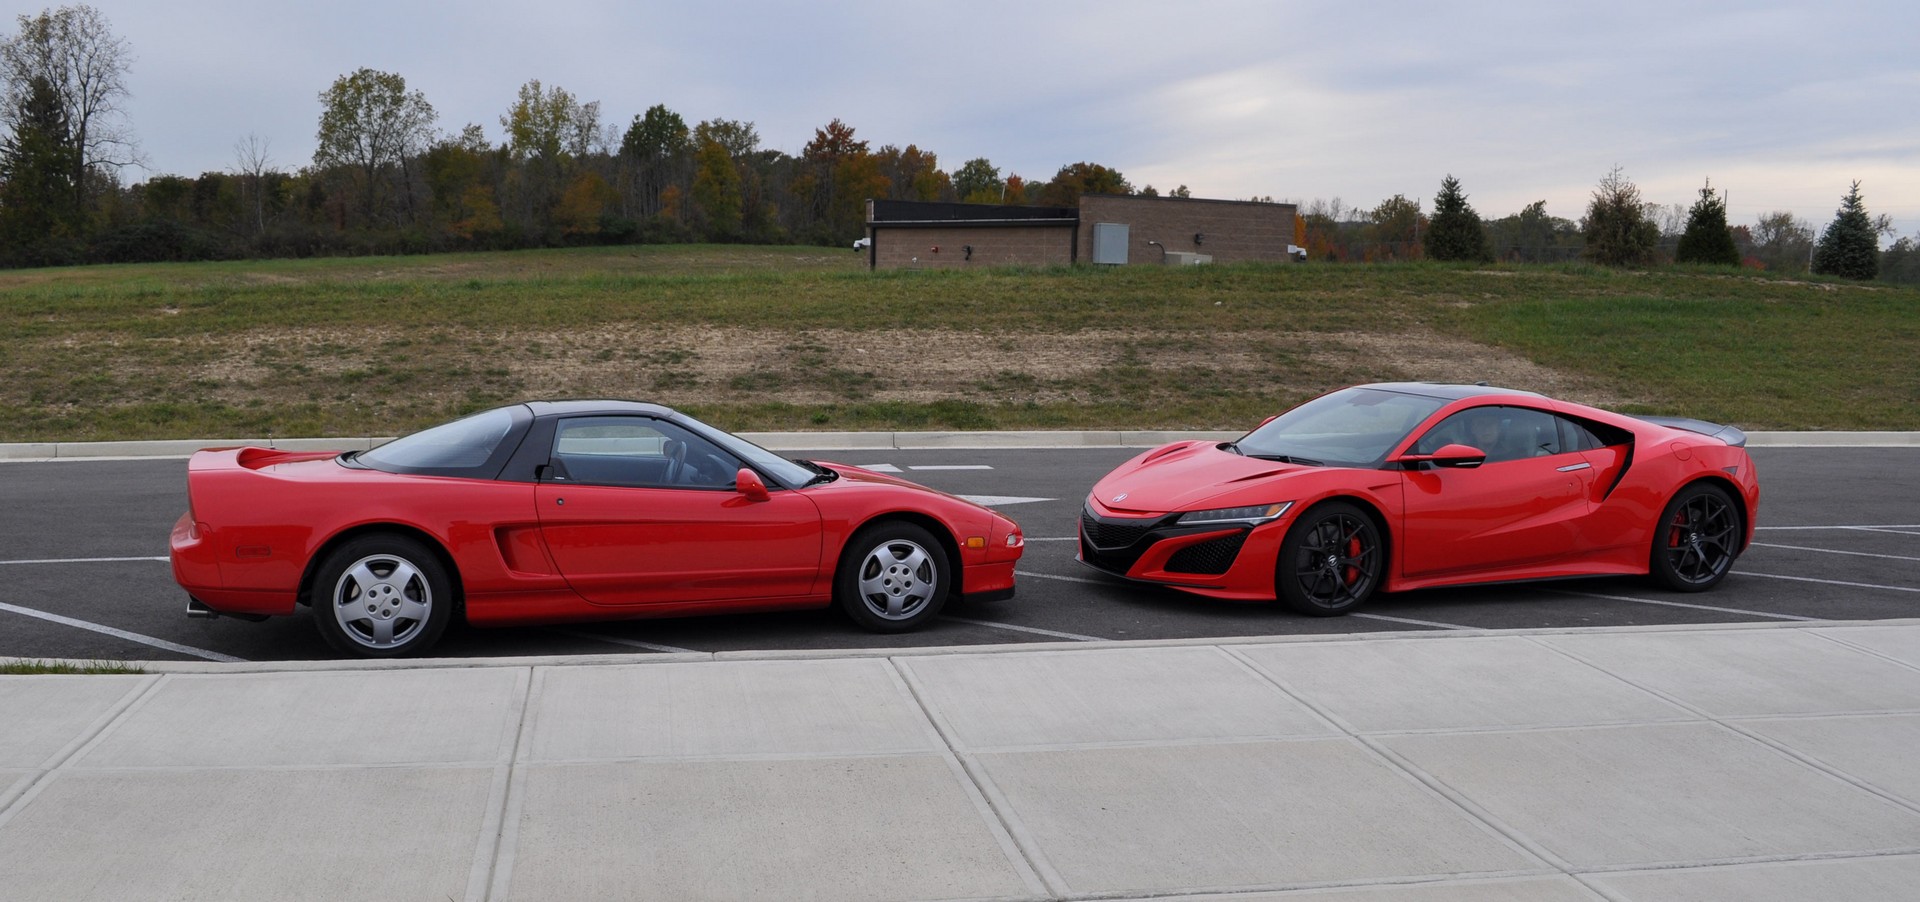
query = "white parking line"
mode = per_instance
[
  {"x": 1830, "y": 582},
  {"x": 1891, "y": 557},
  {"x": 1863, "y": 526},
  {"x": 1053, "y": 538},
  {"x": 1025, "y": 629},
  {"x": 1886, "y": 530},
  {"x": 1000, "y": 500},
  {"x": 1682, "y": 604},
  {"x": 1070, "y": 579},
  {"x": 85, "y": 560},
  {"x": 949, "y": 467},
  {"x": 121, "y": 634},
  {"x": 630, "y": 643},
  {"x": 1433, "y": 623},
  {"x": 879, "y": 468}
]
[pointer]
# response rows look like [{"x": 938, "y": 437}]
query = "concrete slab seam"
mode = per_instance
[
  {"x": 64, "y": 759},
  {"x": 496, "y": 848},
  {"x": 1035, "y": 870},
  {"x": 1494, "y": 827},
  {"x": 1731, "y": 725},
  {"x": 1872, "y": 652}
]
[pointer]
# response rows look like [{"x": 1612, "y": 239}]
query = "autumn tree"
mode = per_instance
[
  {"x": 1707, "y": 238},
  {"x": 1617, "y": 230},
  {"x": 458, "y": 174},
  {"x": 371, "y": 123},
  {"x": 913, "y": 174},
  {"x": 1396, "y": 226},
  {"x": 38, "y": 210},
  {"x": 1082, "y": 178},
  {"x": 550, "y": 124},
  {"x": 716, "y": 191},
  {"x": 656, "y": 147},
  {"x": 1850, "y": 247},
  {"x": 75, "y": 52},
  {"x": 1783, "y": 242},
  {"x": 977, "y": 181},
  {"x": 1455, "y": 232}
]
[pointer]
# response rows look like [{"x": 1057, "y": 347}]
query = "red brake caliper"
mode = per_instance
[{"x": 1353, "y": 553}]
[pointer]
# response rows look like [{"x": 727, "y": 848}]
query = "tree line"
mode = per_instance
[{"x": 385, "y": 177}]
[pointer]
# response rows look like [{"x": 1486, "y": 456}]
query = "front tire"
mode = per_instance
[
  {"x": 1696, "y": 539},
  {"x": 1330, "y": 561},
  {"x": 382, "y": 596},
  {"x": 893, "y": 577}
]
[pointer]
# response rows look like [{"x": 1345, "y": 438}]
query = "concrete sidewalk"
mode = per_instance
[{"x": 1763, "y": 762}]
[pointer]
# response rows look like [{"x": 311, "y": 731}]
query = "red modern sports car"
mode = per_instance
[
  {"x": 567, "y": 511},
  {"x": 1410, "y": 485}
]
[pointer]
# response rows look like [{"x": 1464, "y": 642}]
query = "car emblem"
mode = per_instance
[{"x": 1120, "y": 497}]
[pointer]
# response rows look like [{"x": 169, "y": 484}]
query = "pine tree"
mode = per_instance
[
  {"x": 1617, "y": 229},
  {"x": 1455, "y": 231},
  {"x": 38, "y": 211},
  {"x": 1850, "y": 247},
  {"x": 1707, "y": 238}
]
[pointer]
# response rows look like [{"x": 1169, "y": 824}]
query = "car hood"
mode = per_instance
[
  {"x": 856, "y": 475},
  {"x": 1186, "y": 476}
]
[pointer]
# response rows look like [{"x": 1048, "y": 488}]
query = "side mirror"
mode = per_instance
[
  {"x": 1455, "y": 456},
  {"x": 748, "y": 483}
]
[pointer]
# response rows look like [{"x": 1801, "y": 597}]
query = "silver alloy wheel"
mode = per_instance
[
  {"x": 897, "y": 579},
  {"x": 382, "y": 601}
]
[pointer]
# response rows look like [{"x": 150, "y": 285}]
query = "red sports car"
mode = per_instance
[
  {"x": 1411, "y": 485},
  {"x": 567, "y": 511}
]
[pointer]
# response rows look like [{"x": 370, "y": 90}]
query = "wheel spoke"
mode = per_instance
[
  {"x": 363, "y": 577},
  {"x": 382, "y": 631}
]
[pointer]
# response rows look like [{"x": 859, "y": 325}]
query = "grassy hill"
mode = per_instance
[{"x": 807, "y": 338}]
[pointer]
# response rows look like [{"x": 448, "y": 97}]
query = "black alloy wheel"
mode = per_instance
[
  {"x": 1696, "y": 540},
  {"x": 1330, "y": 561}
]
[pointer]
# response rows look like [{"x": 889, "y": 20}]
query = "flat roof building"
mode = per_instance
[{"x": 1104, "y": 229}]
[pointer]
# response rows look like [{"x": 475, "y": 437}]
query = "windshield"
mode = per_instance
[
  {"x": 1353, "y": 427},
  {"x": 780, "y": 468},
  {"x": 463, "y": 444}
]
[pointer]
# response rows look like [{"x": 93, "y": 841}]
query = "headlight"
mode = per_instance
[{"x": 1247, "y": 516}]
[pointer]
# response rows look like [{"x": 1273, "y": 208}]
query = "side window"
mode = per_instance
[
  {"x": 1504, "y": 433},
  {"x": 639, "y": 452},
  {"x": 1575, "y": 437}
]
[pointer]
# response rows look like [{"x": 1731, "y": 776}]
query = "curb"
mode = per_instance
[
  {"x": 213, "y": 667},
  {"x": 851, "y": 441}
]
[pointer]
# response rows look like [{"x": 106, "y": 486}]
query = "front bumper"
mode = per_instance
[{"x": 1224, "y": 562}]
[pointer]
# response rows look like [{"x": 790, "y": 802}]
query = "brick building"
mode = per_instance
[{"x": 1105, "y": 229}]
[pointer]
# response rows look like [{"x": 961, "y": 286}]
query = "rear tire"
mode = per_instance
[
  {"x": 381, "y": 596},
  {"x": 1330, "y": 561},
  {"x": 892, "y": 577},
  {"x": 1696, "y": 539}
]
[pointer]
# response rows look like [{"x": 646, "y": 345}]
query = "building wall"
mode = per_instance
[
  {"x": 1233, "y": 231},
  {"x": 896, "y": 247}
]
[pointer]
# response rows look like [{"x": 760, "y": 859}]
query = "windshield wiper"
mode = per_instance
[
  {"x": 1232, "y": 446},
  {"x": 1288, "y": 459},
  {"x": 820, "y": 474}
]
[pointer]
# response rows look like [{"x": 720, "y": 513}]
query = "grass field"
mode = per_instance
[{"x": 807, "y": 338}]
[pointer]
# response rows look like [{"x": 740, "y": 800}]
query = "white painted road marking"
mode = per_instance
[
  {"x": 1891, "y": 557},
  {"x": 879, "y": 468},
  {"x": 1830, "y": 582},
  {"x": 1053, "y": 538},
  {"x": 1000, "y": 500},
  {"x": 85, "y": 560},
  {"x": 1409, "y": 620},
  {"x": 950, "y": 467},
  {"x": 122, "y": 634},
  {"x": 630, "y": 643},
  {"x": 1870, "y": 526},
  {"x": 1070, "y": 579},
  {"x": 1025, "y": 629},
  {"x": 1681, "y": 604}
]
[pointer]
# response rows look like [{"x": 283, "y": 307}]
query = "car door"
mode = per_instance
[
  {"x": 1525, "y": 504},
  {"x": 637, "y": 511}
]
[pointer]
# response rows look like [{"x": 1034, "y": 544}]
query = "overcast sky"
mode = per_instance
[{"x": 1781, "y": 104}]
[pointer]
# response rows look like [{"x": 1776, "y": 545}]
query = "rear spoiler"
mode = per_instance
[{"x": 1729, "y": 434}]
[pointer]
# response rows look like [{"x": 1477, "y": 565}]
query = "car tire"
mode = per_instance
[
  {"x": 381, "y": 596},
  {"x": 892, "y": 577},
  {"x": 1331, "y": 560},
  {"x": 1696, "y": 539}
]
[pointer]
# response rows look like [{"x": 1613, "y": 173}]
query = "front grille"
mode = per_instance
[
  {"x": 1211, "y": 557},
  {"x": 1109, "y": 534}
]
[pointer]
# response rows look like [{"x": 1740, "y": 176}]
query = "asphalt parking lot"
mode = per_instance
[{"x": 84, "y": 576}]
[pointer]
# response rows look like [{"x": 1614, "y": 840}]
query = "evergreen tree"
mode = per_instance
[
  {"x": 1455, "y": 231},
  {"x": 1617, "y": 229},
  {"x": 1707, "y": 238},
  {"x": 39, "y": 214},
  {"x": 1850, "y": 247}
]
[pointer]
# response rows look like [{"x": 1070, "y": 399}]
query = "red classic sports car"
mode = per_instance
[
  {"x": 568, "y": 511},
  {"x": 1411, "y": 485}
]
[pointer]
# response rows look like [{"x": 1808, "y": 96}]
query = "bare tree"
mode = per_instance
[
  {"x": 251, "y": 160},
  {"x": 75, "y": 50}
]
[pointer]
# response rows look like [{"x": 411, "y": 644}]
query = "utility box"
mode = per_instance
[
  {"x": 1187, "y": 258},
  {"x": 1110, "y": 242}
]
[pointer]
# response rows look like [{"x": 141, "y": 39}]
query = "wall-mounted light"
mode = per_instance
[
  {"x": 968, "y": 249},
  {"x": 1199, "y": 237}
]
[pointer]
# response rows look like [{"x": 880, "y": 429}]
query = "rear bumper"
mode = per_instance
[{"x": 196, "y": 567}]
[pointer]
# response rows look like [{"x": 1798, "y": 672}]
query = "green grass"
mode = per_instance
[
  {"x": 807, "y": 338},
  {"x": 33, "y": 668}
]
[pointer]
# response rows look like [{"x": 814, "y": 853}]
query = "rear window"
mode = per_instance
[{"x": 458, "y": 447}]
